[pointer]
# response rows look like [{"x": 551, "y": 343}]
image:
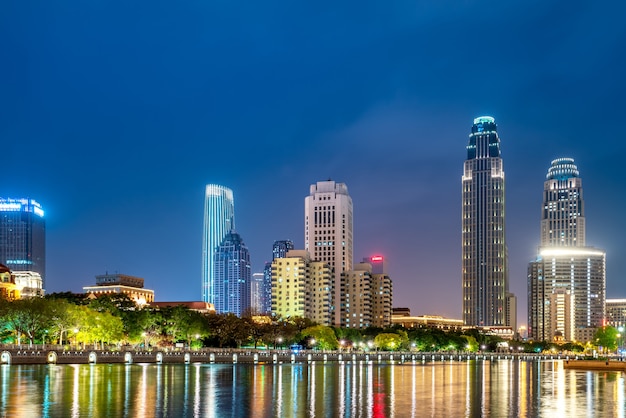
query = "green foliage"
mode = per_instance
[
  {"x": 606, "y": 338},
  {"x": 388, "y": 341},
  {"x": 322, "y": 337}
]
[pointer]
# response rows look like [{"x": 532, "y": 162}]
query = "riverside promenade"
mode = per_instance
[{"x": 52, "y": 355}]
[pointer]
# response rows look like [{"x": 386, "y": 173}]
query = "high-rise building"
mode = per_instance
[
  {"x": 616, "y": 313},
  {"x": 484, "y": 250},
  {"x": 257, "y": 293},
  {"x": 301, "y": 287},
  {"x": 23, "y": 236},
  {"x": 232, "y": 276},
  {"x": 219, "y": 220},
  {"x": 366, "y": 297},
  {"x": 279, "y": 250},
  {"x": 328, "y": 230},
  {"x": 567, "y": 280}
]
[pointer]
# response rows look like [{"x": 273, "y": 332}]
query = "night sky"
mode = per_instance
[{"x": 114, "y": 115}]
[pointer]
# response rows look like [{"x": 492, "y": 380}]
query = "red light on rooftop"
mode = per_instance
[{"x": 377, "y": 258}]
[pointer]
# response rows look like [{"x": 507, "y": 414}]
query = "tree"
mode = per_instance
[
  {"x": 324, "y": 337},
  {"x": 388, "y": 341},
  {"x": 606, "y": 338}
]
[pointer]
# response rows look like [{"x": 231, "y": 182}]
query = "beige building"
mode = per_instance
[
  {"x": 132, "y": 286},
  {"x": 29, "y": 283},
  {"x": 382, "y": 300},
  {"x": 301, "y": 287},
  {"x": 616, "y": 312},
  {"x": 356, "y": 297},
  {"x": 8, "y": 289},
  {"x": 328, "y": 232}
]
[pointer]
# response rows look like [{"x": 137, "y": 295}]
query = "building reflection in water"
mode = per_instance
[{"x": 451, "y": 388}]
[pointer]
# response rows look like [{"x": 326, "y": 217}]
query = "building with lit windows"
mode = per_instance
[
  {"x": 616, "y": 313},
  {"x": 279, "y": 250},
  {"x": 8, "y": 289},
  {"x": 131, "y": 286},
  {"x": 356, "y": 297},
  {"x": 567, "y": 280},
  {"x": 257, "y": 292},
  {"x": 219, "y": 220},
  {"x": 29, "y": 283},
  {"x": 301, "y": 287},
  {"x": 232, "y": 276},
  {"x": 328, "y": 230},
  {"x": 23, "y": 236},
  {"x": 484, "y": 252},
  {"x": 382, "y": 291}
]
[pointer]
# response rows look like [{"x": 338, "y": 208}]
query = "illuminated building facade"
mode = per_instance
[
  {"x": 301, "y": 287},
  {"x": 279, "y": 250},
  {"x": 108, "y": 284},
  {"x": 484, "y": 252},
  {"x": 567, "y": 280},
  {"x": 616, "y": 313},
  {"x": 232, "y": 275},
  {"x": 328, "y": 230},
  {"x": 219, "y": 220},
  {"x": 8, "y": 289},
  {"x": 257, "y": 292},
  {"x": 356, "y": 297},
  {"x": 23, "y": 236},
  {"x": 29, "y": 283},
  {"x": 382, "y": 291}
]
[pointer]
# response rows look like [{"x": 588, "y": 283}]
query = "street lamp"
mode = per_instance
[
  {"x": 280, "y": 341},
  {"x": 312, "y": 343}
]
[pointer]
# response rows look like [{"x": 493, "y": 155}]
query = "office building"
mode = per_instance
[
  {"x": 301, "y": 287},
  {"x": 356, "y": 297},
  {"x": 232, "y": 276},
  {"x": 328, "y": 227},
  {"x": 484, "y": 251},
  {"x": 219, "y": 220},
  {"x": 29, "y": 283},
  {"x": 23, "y": 236},
  {"x": 567, "y": 280}
]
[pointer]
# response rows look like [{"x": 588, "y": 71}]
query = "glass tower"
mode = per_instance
[
  {"x": 232, "y": 275},
  {"x": 484, "y": 251},
  {"x": 23, "y": 236},
  {"x": 219, "y": 220}
]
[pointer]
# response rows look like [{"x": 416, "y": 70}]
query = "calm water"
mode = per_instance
[{"x": 450, "y": 389}]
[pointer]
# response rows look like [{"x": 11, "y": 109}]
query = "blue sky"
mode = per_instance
[{"x": 115, "y": 115}]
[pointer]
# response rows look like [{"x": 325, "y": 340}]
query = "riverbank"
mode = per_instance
[
  {"x": 41, "y": 355},
  {"x": 611, "y": 365}
]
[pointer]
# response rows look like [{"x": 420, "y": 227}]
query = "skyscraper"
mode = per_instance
[
  {"x": 567, "y": 280},
  {"x": 219, "y": 220},
  {"x": 328, "y": 232},
  {"x": 23, "y": 236},
  {"x": 232, "y": 275},
  {"x": 484, "y": 251}
]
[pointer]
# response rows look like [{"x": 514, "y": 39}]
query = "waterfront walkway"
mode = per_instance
[{"x": 58, "y": 355}]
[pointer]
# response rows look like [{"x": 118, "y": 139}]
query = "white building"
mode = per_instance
[{"x": 328, "y": 230}]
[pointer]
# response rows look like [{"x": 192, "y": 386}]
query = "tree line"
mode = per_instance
[{"x": 73, "y": 320}]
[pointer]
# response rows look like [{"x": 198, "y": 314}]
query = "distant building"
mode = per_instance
[
  {"x": 108, "y": 284},
  {"x": 485, "y": 278},
  {"x": 356, "y": 297},
  {"x": 401, "y": 318},
  {"x": 232, "y": 274},
  {"x": 219, "y": 220},
  {"x": 23, "y": 236},
  {"x": 567, "y": 280},
  {"x": 279, "y": 250},
  {"x": 202, "y": 307},
  {"x": 257, "y": 293},
  {"x": 301, "y": 287},
  {"x": 616, "y": 312},
  {"x": 328, "y": 227}
]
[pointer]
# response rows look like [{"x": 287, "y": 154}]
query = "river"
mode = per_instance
[{"x": 473, "y": 388}]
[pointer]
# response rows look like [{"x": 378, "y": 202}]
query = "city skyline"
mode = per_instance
[{"x": 115, "y": 122}]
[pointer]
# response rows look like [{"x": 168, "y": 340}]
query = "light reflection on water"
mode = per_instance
[{"x": 470, "y": 389}]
